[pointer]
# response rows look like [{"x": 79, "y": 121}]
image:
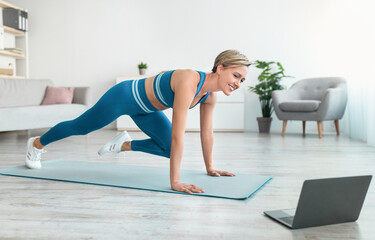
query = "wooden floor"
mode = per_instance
[{"x": 40, "y": 209}]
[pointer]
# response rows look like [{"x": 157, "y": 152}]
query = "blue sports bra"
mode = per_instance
[{"x": 163, "y": 90}]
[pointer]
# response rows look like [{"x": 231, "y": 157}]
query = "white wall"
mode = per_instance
[{"x": 90, "y": 42}]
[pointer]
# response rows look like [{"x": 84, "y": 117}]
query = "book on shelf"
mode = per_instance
[{"x": 15, "y": 18}]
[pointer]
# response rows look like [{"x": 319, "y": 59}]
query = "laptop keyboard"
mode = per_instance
[{"x": 288, "y": 220}]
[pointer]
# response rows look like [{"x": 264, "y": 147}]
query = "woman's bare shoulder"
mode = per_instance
[
  {"x": 184, "y": 78},
  {"x": 189, "y": 73}
]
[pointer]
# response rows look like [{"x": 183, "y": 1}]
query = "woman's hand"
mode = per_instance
[
  {"x": 187, "y": 188},
  {"x": 217, "y": 173}
]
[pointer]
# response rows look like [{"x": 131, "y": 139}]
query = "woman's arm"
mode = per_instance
[
  {"x": 207, "y": 136},
  {"x": 185, "y": 84}
]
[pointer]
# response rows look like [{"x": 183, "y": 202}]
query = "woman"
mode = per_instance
[{"x": 144, "y": 100}]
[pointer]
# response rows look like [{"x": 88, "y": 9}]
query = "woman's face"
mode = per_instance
[{"x": 230, "y": 79}]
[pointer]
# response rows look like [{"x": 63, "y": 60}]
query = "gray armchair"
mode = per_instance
[{"x": 313, "y": 99}]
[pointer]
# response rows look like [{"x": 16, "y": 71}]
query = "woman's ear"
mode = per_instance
[{"x": 219, "y": 68}]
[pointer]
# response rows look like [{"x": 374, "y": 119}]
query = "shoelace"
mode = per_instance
[{"x": 38, "y": 153}]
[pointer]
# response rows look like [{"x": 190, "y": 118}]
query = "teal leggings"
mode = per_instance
[{"x": 125, "y": 98}]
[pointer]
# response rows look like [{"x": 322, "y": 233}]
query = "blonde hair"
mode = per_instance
[{"x": 231, "y": 58}]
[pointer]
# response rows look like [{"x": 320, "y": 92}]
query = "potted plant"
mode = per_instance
[
  {"x": 269, "y": 81},
  {"x": 142, "y": 68}
]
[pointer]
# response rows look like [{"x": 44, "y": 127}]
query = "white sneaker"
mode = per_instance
[
  {"x": 33, "y": 155},
  {"x": 114, "y": 146}
]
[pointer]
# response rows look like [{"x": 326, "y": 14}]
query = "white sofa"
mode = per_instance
[{"x": 20, "y": 107}]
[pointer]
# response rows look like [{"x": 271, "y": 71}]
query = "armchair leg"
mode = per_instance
[
  {"x": 303, "y": 127},
  {"x": 320, "y": 129},
  {"x": 337, "y": 127},
  {"x": 284, "y": 127}
]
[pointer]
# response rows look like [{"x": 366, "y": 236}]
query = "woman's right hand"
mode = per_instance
[{"x": 187, "y": 188}]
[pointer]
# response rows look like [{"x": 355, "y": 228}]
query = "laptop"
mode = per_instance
[{"x": 325, "y": 201}]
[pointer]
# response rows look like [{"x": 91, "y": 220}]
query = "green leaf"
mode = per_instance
[{"x": 269, "y": 81}]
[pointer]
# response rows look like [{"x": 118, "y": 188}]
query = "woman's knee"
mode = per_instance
[{"x": 165, "y": 146}]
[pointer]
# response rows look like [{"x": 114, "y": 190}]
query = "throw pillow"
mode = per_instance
[{"x": 58, "y": 95}]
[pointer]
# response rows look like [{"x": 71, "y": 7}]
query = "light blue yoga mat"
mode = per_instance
[{"x": 239, "y": 187}]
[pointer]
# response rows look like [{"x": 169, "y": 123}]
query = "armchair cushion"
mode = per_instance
[{"x": 300, "y": 105}]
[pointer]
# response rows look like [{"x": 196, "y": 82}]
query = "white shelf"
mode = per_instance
[
  {"x": 4, "y": 4},
  {"x": 14, "y": 77},
  {"x": 13, "y": 31},
  {"x": 14, "y": 38},
  {"x": 12, "y": 54}
]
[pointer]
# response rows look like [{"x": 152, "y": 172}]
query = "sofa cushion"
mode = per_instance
[
  {"x": 33, "y": 117},
  {"x": 58, "y": 95},
  {"x": 300, "y": 106},
  {"x": 22, "y": 92}
]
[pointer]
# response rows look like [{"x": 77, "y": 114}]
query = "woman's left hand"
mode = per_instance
[{"x": 217, "y": 173}]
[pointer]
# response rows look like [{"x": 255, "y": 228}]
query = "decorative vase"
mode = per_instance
[
  {"x": 264, "y": 124},
  {"x": 142, "y": 71}
]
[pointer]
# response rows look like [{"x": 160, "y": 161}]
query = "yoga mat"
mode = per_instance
[{"x": 239, "y": 187}]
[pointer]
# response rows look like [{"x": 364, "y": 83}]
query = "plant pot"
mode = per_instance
[
  {"x": 142, "y": 71},
  {"x": 264, "y": 124}
]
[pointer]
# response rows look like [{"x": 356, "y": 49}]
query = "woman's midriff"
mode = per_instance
[{"x": 149, "y": 86}]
